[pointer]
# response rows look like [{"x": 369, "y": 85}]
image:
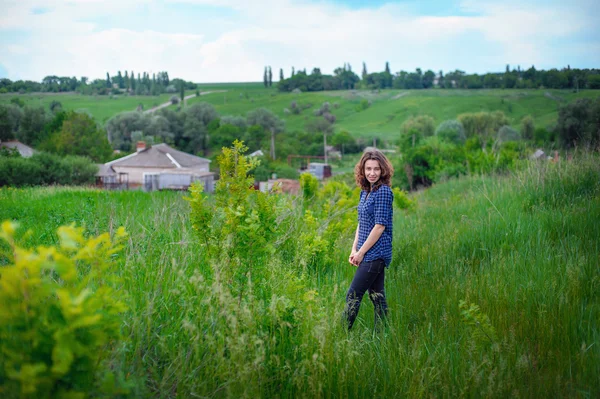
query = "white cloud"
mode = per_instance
[{"x": 282, "y": 34}]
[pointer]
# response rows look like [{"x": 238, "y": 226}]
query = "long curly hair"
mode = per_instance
[{"x": 387, "y": 170}]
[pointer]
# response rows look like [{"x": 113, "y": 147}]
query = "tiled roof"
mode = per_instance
[{"x": 160, "y": 156}]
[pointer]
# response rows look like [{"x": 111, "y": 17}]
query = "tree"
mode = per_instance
[
  {"x": 428, "y": 79},
  {"x": 293, "y": 72},
  {"x": 120, "y": 127},
  {"x": 269, "y": 122},
  {"x": 266, "y": 78},
  {"x": 79, "y": 135},
  {"x": 10, "y": 121},
  {"x": 483, "y": 125},
  {"x": 55, "y": 106},
  {"x": 364, "y": 72},
  {"x": 108, "y": 83},
  {"x": 270, "y": 77},
  {"x": 510, "y": 78},
  {"x": 120, "y": 80},
  {"x": 182, "y": 93},
  {"x": 451, "y": 131},
  {"x": 344, "y": 142},
  {"x": 422, "y": 125},
  {"x": 441, "y": 79},
  {"x": 527, "y": 128},
  {"x": 280, "y": 74},
  {"x": 31, "y": 129},
  {"x": 198, "y": 117},
  {"x": 579, "y": 123},
  {"x": 126, "y": 81}
]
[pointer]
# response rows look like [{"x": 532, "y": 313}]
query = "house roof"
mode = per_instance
[
  {"x": 159, "y": 156},
  {"x": 23, "y": 149},
  {"x": 105, "y": 170}
]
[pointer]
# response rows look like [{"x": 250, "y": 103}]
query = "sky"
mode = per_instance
[{"x": 233, "y": 40}]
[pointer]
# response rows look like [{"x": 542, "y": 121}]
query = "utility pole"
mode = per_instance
[{"x": 325, "y": 146}]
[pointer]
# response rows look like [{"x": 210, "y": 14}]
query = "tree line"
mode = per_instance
[
  {"x": 127, "y": 82},
  {"x": 344, "y": 78},
  {"x": 475, "y": 141}
]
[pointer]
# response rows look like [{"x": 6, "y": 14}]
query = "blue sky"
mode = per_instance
[{"x": 232, "y": 40}]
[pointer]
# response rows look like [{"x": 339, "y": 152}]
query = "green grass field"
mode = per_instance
[
  {"x": 389, "y": 109},
  {"x": 100, "y": 107},
  {"x": 524, "y": 248}
]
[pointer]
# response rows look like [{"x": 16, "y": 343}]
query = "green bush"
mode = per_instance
[
  {"x": 431, "y": 161},
  {"x": 579, "y": 123},
  {"x": 284, "y": 171},
  {"x": 45, "y": 169},
  {"x": 527, "y": 128},
  {"x": 238, "y": 228},
  {"x": 363, "y": 105},
  {"x": 507, "y": 133},
  {"x": 542, "y": 136},
  {"x": 451, "y": 131},
  {"x": 59, "y": 314},
  {"x": 424, "y": 124}
]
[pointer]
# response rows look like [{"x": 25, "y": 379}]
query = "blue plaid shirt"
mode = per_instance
[{"x": 376, "y": 209}]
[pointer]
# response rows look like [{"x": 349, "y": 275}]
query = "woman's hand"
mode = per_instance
[
  {"x": 356, "y": 258},
  {"x": 351, "y": 257}
]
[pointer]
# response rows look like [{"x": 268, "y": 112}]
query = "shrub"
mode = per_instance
[
  {"x": 431, "y": 161},
  {"x": 174, "y": 100},
  {"x": 329, "y": 117},
  {"x": 18, "y": 102},
  {"x": 323, "y": 109},
  {"x": 579, "y": 123},
  {"x": 364, "y": 104},
  {"x": 451, "y": 131},
  {"x": 483, "y": 124},
  {"x": 55, "y": 106},
  {"x": 527, "y": 127},
  {"x": 284, "y": 171},
  {"x": 542, "y": 136},
  {"x": 58, "y": 315},
  {"x": 44, "y": 169},
  {"x": 422, "y": 123},
  {"x": 401, "y": 200},
  {"x": 507, "y": 133},
  {"x": 236, "y": 230}
]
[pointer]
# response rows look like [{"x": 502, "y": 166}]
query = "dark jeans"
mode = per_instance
[{"x": 369, "y": 276}]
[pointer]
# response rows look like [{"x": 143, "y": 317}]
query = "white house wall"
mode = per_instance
[{"x": 136, "y": 175}]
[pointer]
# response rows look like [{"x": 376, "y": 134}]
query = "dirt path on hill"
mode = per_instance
[{"x": 186, "y": 98}]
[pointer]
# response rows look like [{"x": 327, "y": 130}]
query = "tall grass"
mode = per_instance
[{"x": 524, "y": 249}]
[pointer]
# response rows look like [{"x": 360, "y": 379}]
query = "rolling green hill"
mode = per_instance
[
  {"x": 101, "y": 107},
  {"x": 389, "y": 108}
]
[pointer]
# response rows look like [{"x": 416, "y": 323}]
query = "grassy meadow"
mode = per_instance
[
  {"x": 522, "y": 251},
  {"x": 388, "y": 110},
  {"x": 102, "y": 108}
]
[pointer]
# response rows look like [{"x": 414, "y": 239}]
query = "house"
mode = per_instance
[
  {"x": 155, "y": 168},
  {"x": 23, "y": 149}
]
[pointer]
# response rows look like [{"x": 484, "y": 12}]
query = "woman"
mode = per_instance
[{"x": 372, "y": 247}]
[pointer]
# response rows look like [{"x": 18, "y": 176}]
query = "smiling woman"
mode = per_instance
[{"x": 372, "y": 247}]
